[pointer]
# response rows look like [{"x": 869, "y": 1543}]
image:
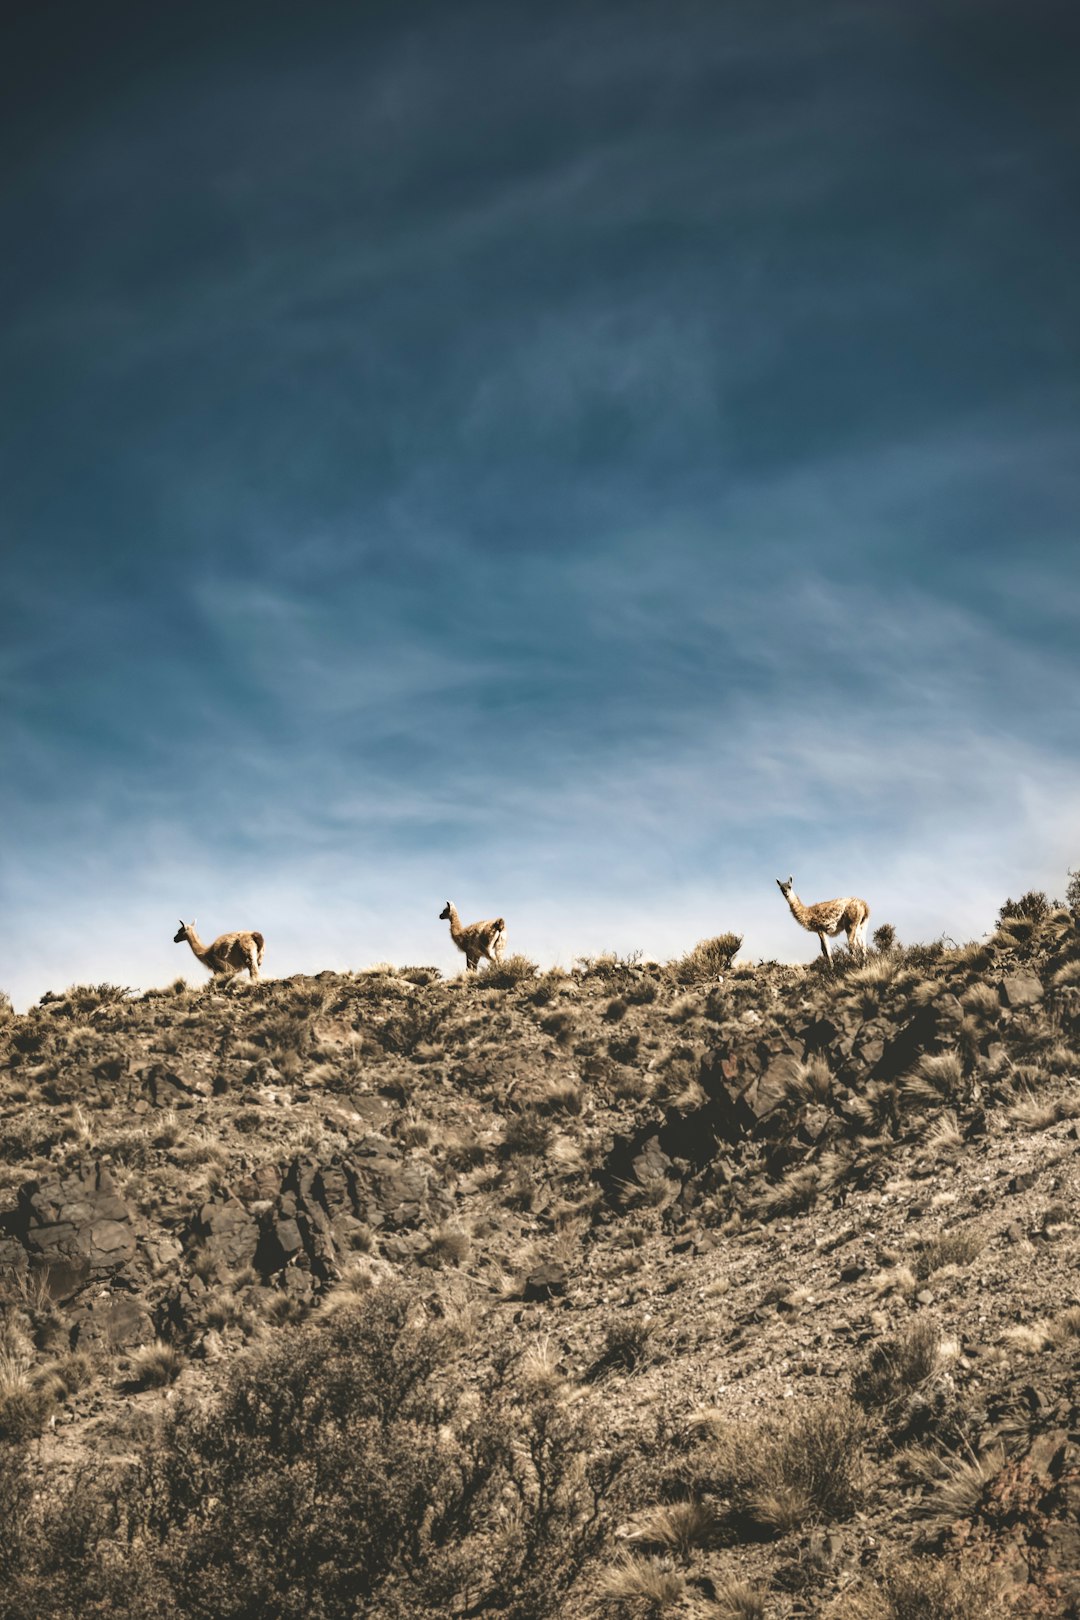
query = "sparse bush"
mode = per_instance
[
  {"x": 708, "y": 959},
  {"x": 627, "y": 1341},
  {"x": 420, "y": 975},
  {"x": 358, "y": 1425},
  {"x": 1034, "y": 906},
  {"x": 1072, "y": 892},
  {"x": 526, "y": 1132},
  {"x": 7, "y": 1009},
  {"x": 86, "y": 998},
  {"x": 884, "y": 938}
]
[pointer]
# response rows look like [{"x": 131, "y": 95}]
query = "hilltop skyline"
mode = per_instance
[{"x": 584, "y": 467}]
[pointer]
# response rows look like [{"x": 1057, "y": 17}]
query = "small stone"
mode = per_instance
[
  {"x": 545, "y": 1281},
  {"x": 1021, "y": 990}
]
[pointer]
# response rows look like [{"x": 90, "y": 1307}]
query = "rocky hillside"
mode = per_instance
[{"x": 635, "y": 1290}]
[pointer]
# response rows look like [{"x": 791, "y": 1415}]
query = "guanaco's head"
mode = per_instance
[
  {"x": 444, "y": 914},
  {"x": 785, "y": 888},
  {"x": 182, "y": 931}
]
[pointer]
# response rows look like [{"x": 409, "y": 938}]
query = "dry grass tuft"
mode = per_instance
[
  {"x": 1031, "y": 1115},
  {"x": 736, "y": 1600},
  {"x": 646, "y": 1582},
  {"x": 944, "y": 1134},
  {"x": 958, "y": 1248},
  {"x": 511, "y": 971},
  {"x": 1046, "y": 1333},
  {"x": 898, "y": 1366},
  {"x": 156, "y": 1365},
  {"x": 678, "y": 1526},
  {"x": 959, "y": 1483},
  {"x": 925, "y": 1589},
  {"x": 936, "y": 1078},
  {"x": 812, "y": 1081},
  {"x": 807, "y": 1469}
]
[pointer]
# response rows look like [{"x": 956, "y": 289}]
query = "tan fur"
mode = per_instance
[
  {"x": 229, "y": 955},
  {"x": 477, "y": 939},
  {"x": 848, "y": 915}
]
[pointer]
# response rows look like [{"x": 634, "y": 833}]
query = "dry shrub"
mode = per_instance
[
  {"x": 511, "y": 971},
  {"x": 627, "y": 1346},
  {"x": 1034, "y": 907},
  {"x": 708, "y": 959},
  {"x": 450, "y": 1246},
  {"x": 526, "y": 1132},
  {"x": 357, "y": 1465},
  {"x": 560, "y": 1097}
]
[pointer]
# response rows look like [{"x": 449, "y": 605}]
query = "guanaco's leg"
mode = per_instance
[{"x": 825, "y": 949}]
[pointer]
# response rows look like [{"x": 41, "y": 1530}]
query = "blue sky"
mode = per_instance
[{"x": 585, "y": 461}]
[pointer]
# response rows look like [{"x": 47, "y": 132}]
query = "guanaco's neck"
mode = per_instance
[
  {"x": 798, "y": 910},
  {"x": 455, "y": 922},
  {"x": 194, "y": 941}
]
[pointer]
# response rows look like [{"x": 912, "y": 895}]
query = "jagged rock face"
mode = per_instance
[{"x": 75, "y": 1228}]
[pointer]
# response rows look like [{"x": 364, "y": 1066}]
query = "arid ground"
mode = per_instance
[{"x": 701, "y": 1289}]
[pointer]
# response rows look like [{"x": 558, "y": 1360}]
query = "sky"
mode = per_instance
[{"x": 584, "y": 461}]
